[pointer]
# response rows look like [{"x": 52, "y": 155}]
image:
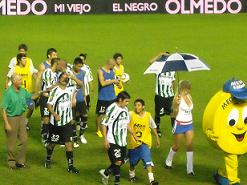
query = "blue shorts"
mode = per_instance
[
  {"x": 180, "y": 129},
  {"x": 143, "y": 153},
  {"x": 30, "y": 103}
]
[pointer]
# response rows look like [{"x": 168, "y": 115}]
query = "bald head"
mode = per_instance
[
  {"x": 61, "y": 65},
  {"x": 110, "y": 63},
  {"x": 16, "y": 80}
]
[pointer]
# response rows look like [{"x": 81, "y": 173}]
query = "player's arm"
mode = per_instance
[
  {"x": 157, "y": 57},
  {"x": 104, "y": 82},
  {"x": 153, "y": 127},
  {"x": 39, "y": 77},
  {"x": 74, "y": 99},
  {"x": 132, "y": 133}
]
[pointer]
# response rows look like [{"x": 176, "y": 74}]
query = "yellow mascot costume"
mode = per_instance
[{"x": 225, "y": 125}]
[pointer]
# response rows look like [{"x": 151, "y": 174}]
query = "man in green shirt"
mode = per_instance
[{"x": 14, "y": 104}]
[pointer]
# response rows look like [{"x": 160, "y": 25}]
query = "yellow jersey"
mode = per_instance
[
  {"x": 118, "y": 73},
  {"x": 141, "y": 128},
  {"x": 27, "y": 80}
]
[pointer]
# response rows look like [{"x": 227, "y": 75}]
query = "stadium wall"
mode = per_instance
[{"x": 42, "y": 7}]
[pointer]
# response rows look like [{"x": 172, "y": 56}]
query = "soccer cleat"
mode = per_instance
[
  {"x": 73, "y": 169},
  {"x": 159, "y": 132},
  {"x": 99, "y": 134},
  {"x": 18, "y": 166},
  {"x": 132, "y": 179},
  {"x": 168, "y": 164},
  {"x": 191, "y": 173},
  {"x": 105, "y": 178},
  {"x": 154, "y": 183},
  {"x": 75, "y": 145},
  {"x": 47, "y": 164},
  {"x": 83, "y": 139}
]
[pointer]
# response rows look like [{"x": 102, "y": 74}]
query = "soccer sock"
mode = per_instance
[
  {"x": 132, "y": 173},
  {"x": 172, "y": 121},
  {"x": 109, "y": 170},
  {"x": 116, "y": 173},
  {"x": 74, "y": 132},
  {"x": 150, "y": 176},
  {"x": 83, "y": 125},
  {"x": 170, "y": 157},
  {"x": 189, "y": 156},
  {"x": 157, "y": 121},
  {"x": 44, "y": 132},
  {"x": 69, "y": 155},
  {"x": 49, "y": 152}
]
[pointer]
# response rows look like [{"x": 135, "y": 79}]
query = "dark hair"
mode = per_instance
[
  {"x": 23, "y": 46},
  {"x": 116, "y": 55},
  {"x": 78, "y": 60},
  {"x": 50, "y": 51},
  {"x": 123, "y": 95},
  {"x": 19, "y": 57},
  {"x": 84, "y": 55},
  {"x": 54, "y": 60},
  {"x": 139, "y": 100}
]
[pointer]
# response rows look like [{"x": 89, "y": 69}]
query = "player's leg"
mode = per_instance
[
  {"x": 83, "y": 123},
  {"x": 100, "y": 112},
  {"x": 158, "y": 111},
  {"x": 52, "y": 139},
  {"x": 67, "y": 133},
  {"x": 173, "y": 150},
  {"x": 134, "y": 157},
  {"x": 189, "y": 135},
  {"x": 45, "y": 115}
]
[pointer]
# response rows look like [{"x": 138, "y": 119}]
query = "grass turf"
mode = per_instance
[{"x": 218, "y": 39}]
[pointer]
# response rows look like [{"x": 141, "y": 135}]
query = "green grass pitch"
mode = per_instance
[{"x": 219, "y": 40}]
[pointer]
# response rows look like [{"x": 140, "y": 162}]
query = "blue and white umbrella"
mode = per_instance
[{"x": 177, "y": 62}]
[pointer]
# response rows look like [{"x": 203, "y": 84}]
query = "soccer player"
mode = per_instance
[
  {"x": 164, "y": 94},
  {"x": 106, "y": 93},
  {"x": 183, "y": 126},
  {"x": 81, "y": 107},
  {"x": 22, "y": 48},
  {"x": 28, "y": 74},
  {"x": 59, "y": 104},
  {"x": 88, "y": 79},
  {"x": 50, "y": 54},
  {"x": 118, "y": 70},
  {"x": 115, "y": 126},
  {"x": 49, "y": 81},
  {"x": 141, "y": 123}
]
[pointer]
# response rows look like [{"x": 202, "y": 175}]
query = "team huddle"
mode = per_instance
[{"x": 62, "y": 91}]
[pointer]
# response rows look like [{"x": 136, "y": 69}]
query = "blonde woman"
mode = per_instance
[{"x": 183, "y": 127}]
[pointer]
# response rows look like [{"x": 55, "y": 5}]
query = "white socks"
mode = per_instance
[
  {"x": 170, "y": 157},
  {"x": 189, "y": 156},
  {"x": 151, "y": 177}
]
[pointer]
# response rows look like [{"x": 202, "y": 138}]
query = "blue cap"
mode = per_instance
[{"x": 236, "y": 88}]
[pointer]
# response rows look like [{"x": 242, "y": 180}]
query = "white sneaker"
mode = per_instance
[
  {"x": 83, "y": 139},
  {"x": 76, "y": 145},
  {"x": 168, "y": 164},
  {"x": 104, "y": 177}
]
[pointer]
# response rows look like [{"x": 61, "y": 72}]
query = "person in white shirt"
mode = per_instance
[{"x": 183, "y": 125}]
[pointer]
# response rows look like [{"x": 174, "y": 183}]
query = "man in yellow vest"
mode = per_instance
[
  {"x": 27, "y": 73},
  {"x": 141, "y": 123},
  {"x": 118, "y": 71}
]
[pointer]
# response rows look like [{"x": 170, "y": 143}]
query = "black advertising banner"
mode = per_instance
[{"x": 42, "y": 7}]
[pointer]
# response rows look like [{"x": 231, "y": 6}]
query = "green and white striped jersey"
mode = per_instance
[
  {"x": 164, "y": 86},
  {"x": 49, "y": 78},
  {"x": 88, "y": 77},
  {"x": 61, "y": 100},
  {"x": 116, "y": 120}
]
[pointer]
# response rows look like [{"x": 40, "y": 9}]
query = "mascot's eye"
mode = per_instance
[
  {"x": 244, "y": 115},
  {"x": 233, "y": 117}
]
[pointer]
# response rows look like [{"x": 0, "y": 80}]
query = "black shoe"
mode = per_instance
[
  {"x": 132, "y": 179},
  {"x": 159, "y": 132},
  {"x": 191, "y": 174},
  {"x": 18, "y": 166},
  {"x": 47, "y": 164},
  {"x": 73, "y": 169},
  {"x": 154, "y": 183}
]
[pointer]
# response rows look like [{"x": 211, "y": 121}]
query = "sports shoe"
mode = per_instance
[
  {"x": 191, "y": 173},
  {"x": 75, "y": 145},
  {"x": 99, "y": 134},
  {"x": 47, "y": 164},
  {"x": 83, "y": 139},
  {"x": 132, "y": 179},
  {"x": 104, "y": 177},
  {"x": 154, "y": 183},
  {"x": 168, "y": 164},
  {"x": 18, "y": 166},
  {"x": 159, "y": 132},
  {"x": 73, "y": 169}
]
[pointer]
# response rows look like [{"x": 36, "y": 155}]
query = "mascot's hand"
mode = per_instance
[{"x": 212, "y": 135}]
